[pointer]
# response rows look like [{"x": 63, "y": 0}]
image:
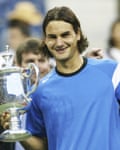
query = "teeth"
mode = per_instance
[{"x": 59, "y": 49}]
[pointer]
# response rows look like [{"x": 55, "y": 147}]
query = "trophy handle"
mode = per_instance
[{"x": 32, "y": 68}]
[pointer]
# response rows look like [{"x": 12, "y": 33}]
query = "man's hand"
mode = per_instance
[
  {"x": 95, "y": 53},
  {"x": 4, "y": 120}
]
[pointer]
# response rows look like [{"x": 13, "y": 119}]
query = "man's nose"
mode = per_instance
[
  {"x": 59, "y": 41},
  {"x": 37, "y": 63}
]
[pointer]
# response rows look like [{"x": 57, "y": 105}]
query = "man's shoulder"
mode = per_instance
[
  {"x": 50, "y": 76},
  {"x": 107, "y": 66},
  {"x": 45, "y": 82},
  {"x": 102, "y": 62}
]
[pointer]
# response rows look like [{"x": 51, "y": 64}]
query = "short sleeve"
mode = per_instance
[
  {"x": 116, "y": 81},
  {"x": 34, "y": 120}
]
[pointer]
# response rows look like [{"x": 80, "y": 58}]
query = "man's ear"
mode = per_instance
[
  {"x": 78, "y": 35},
  {"x": 43, "y": 39}
]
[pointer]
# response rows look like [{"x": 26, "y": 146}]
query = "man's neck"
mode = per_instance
[{"x": 70, "y": 66}]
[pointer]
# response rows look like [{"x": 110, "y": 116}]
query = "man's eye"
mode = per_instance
[
  {"x": 66, "y": 35},
  {"x": 42, "y": 60},
  {"x": 30, "y": 61}
]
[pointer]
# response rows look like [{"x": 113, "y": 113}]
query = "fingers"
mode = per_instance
[
  {"x": 4, "y": 120},
  {"x": 98, "y": 57},
  {"x": 96, "y": 49},
  {"x": 97, "y": 53}
]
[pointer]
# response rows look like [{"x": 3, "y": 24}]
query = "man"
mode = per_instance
[
  {"x": 18, "y": 31},
  {"x": 81, "y": 109},
  {"x": 30, "y": 51},
  {"x": 76, "y": 105}
]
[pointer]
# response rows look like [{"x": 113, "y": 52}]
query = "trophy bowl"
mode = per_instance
[{"x": 14, "y": 98}]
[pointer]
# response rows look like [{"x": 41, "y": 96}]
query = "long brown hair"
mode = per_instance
[{"x": 66, "y": 14}]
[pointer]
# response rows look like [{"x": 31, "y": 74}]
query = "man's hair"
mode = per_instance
[
  {"x": 24, "y": 27},
  {"x": 111, "y": 41},
  {"x": 31, "y": 45},
  {"x": 67, "y": 15}
]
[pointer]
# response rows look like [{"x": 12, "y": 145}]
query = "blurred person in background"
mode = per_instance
[
  {"x": 7, "y": 7},
  {"x": 113, "y": 49},
  {"x": 18, "y": 31},
  {"x": 28, "y": 12},
  {"x": 20, "y": 20},
  {"x": 30, "y": 51}
]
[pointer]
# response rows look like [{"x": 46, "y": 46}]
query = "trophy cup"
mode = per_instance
[{"x": 13, "y": 98}]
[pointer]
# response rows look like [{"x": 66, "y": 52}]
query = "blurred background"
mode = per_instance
[{"x": 96, "y": 17}]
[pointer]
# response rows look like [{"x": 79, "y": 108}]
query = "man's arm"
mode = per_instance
[{"x": 35, "y": 143}]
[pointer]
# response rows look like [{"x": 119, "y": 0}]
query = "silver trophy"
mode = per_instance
[{"x": 13, "y": 97}]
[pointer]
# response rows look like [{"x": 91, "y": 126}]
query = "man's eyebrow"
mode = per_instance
[
  {"x": 30, "y": 60},
  {"x": 51, "y": 35},
  {"x": 65, "y": 33},
  {"x": 62, "y": 34}
]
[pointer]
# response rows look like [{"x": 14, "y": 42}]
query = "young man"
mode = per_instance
[{"x": 76, "y": 105}]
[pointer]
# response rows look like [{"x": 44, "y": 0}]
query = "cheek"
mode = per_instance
[
  {"x": 73, "y": 43},
  {"x": 71, "y": 40},
  {"x": 24, "y": 65},
  {"x": 49, "y": 43},
  {"x": 44, "y": 67}
]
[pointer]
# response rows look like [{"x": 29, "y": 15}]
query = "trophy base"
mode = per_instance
[{"x": 13, "y": 135}]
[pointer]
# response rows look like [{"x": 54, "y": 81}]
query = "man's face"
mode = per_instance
[
  {"x": 61, "y": 40},
  {"x": 15, "y": 37},
  {"x": 41, "y": 61}
]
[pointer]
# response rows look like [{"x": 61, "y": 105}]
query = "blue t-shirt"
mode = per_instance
[{"x": 78, "y": 111}]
